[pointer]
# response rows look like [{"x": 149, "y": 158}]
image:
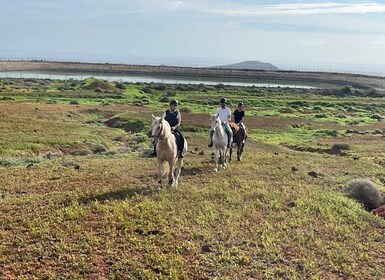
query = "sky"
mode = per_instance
[{"x": 345, "y": 35}]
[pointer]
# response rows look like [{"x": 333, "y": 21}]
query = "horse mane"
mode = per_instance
[{"x": 166, "y": 127}]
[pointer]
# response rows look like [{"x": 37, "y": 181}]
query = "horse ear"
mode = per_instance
[
  {"x": 217, "y": 115},
  {"x": 153, "y": 117}
]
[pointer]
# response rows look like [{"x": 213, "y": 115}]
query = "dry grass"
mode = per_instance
[{"x": 98, "y": 216}]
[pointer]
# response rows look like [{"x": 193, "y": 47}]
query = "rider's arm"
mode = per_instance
[
  {"x": 229, "y": 117},
  {"x": 179, "y": 118}
]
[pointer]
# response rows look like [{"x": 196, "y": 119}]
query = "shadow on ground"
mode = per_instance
[{"x": 116, "y": 195}]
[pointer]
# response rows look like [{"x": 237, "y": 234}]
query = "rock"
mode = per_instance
[
  {"x": 356, "y": 158},
  {"x": 313, "y": 174},
  {"x": 380, "y": 211},
  {"x": 201, "y": 153},
  {"x": 294, "y": 169},
  {"x": 291, "y": 204},
  {"x": 97, "y": 149},
  {"x": 77, "y": 167},
  {"x": 206, "y": 249},
  {"x": 154, "y": 232}
]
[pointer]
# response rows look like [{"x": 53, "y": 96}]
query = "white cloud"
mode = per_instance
[
  {"x": 176, "y": 5},
  {"x": 302, "y": 9}
]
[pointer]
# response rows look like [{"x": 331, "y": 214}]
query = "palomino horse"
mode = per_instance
[
  {"x": 220, "y": 141},
  {"x": 239, "y": 139},
  {"x": 167, "y": 151}
]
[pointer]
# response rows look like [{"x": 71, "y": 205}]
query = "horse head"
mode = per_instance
[
  {"x": 215, "y": 121},
  {"x": 159, "y": 128},
  {"x": 156, "y": 126}
]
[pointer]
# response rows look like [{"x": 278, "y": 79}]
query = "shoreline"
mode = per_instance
[{"x": 360, "y": 81}]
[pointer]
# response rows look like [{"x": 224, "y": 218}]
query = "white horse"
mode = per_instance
[
  {"x": 167, "y": 151},
  {"x": 220, "y": 141}
]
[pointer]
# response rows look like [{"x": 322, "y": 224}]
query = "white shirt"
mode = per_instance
[{"x": 224, "y": 114}]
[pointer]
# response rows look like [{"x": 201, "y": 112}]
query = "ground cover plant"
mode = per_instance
[{"x": 78, "y": 199}]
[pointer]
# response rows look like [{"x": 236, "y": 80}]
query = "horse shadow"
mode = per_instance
[
  {"x": 116, "y": 195},
  {"x": 190, "y": 171}
]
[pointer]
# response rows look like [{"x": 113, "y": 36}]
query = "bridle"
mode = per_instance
[
  {"x": 218, "y": 123},
  {"x": 160, "y": 131}
]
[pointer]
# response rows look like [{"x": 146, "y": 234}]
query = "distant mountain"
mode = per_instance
[{"x": 251, "y": 65}]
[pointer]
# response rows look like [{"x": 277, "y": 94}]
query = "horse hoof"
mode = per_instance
[{"x": 215, "y": 170}]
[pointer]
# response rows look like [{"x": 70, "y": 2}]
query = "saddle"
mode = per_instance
[
  {"x": 178, "y": 138},
  {"x": 234, "y": 127},
  {"x": 238, "y": 129}
]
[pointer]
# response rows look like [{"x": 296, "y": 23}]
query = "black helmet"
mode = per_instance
[
  {"x": 174, "y": 102},
  {"x": 241, "y": 104},
  {"x": 223, "y": 100}
]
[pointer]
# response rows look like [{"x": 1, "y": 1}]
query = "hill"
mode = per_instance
[{"x": 251, "y": 65}]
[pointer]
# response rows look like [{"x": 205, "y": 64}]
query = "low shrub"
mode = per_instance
[
  {"x": 365, "y": 192},
  {"x": 340, "y": 147}
]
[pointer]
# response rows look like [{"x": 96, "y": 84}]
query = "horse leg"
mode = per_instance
[
  {"x": 216, "y": 158},
  {"x": 241, "y": 150},
  {"x": 239, "y": 145},
  {"x": 231, "y": 151},
  {"x": 223, "y": 156},
  {"x": 160, "y": 175},
  {"x": 171, "y": 173},
  {"x": 177, "y": 171}
]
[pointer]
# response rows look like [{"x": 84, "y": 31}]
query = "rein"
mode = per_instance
[{"x": 157, "y": 137}]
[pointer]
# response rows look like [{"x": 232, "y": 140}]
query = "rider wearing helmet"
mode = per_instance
[
  {"x": 239, "y": 116},
  {"x": 225, "y": 116},
  {"x": 173, "y": 117}
]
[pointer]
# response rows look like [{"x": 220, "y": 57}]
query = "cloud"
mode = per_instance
[
  {"x": 176, "y": 5},
  {"x": 302, "y": 9}
]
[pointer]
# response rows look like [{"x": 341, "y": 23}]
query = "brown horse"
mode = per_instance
[{"x": 239, "y": 138}]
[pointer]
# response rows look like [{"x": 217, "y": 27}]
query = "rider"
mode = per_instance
[
  {"x": 239, "y": 116},
  {"x": 225, "y": 116},
  {"x": 173, "y": 117}
]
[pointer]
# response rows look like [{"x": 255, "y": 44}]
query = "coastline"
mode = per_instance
[{"x": 360, "y": 81}]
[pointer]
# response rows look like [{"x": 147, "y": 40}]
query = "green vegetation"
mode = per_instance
[{"x": 78, "y": 199}]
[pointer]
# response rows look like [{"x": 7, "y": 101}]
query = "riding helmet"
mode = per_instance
[
  {"x": 223, "y": 100},
  {"x": 174, "y": 102},
  {"x": 241, "y": 104}
]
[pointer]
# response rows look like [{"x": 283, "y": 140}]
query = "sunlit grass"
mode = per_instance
[{"x": 98, "y": 215}]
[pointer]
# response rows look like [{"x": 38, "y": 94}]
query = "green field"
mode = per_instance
[{"x": 78, "y": 199}]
